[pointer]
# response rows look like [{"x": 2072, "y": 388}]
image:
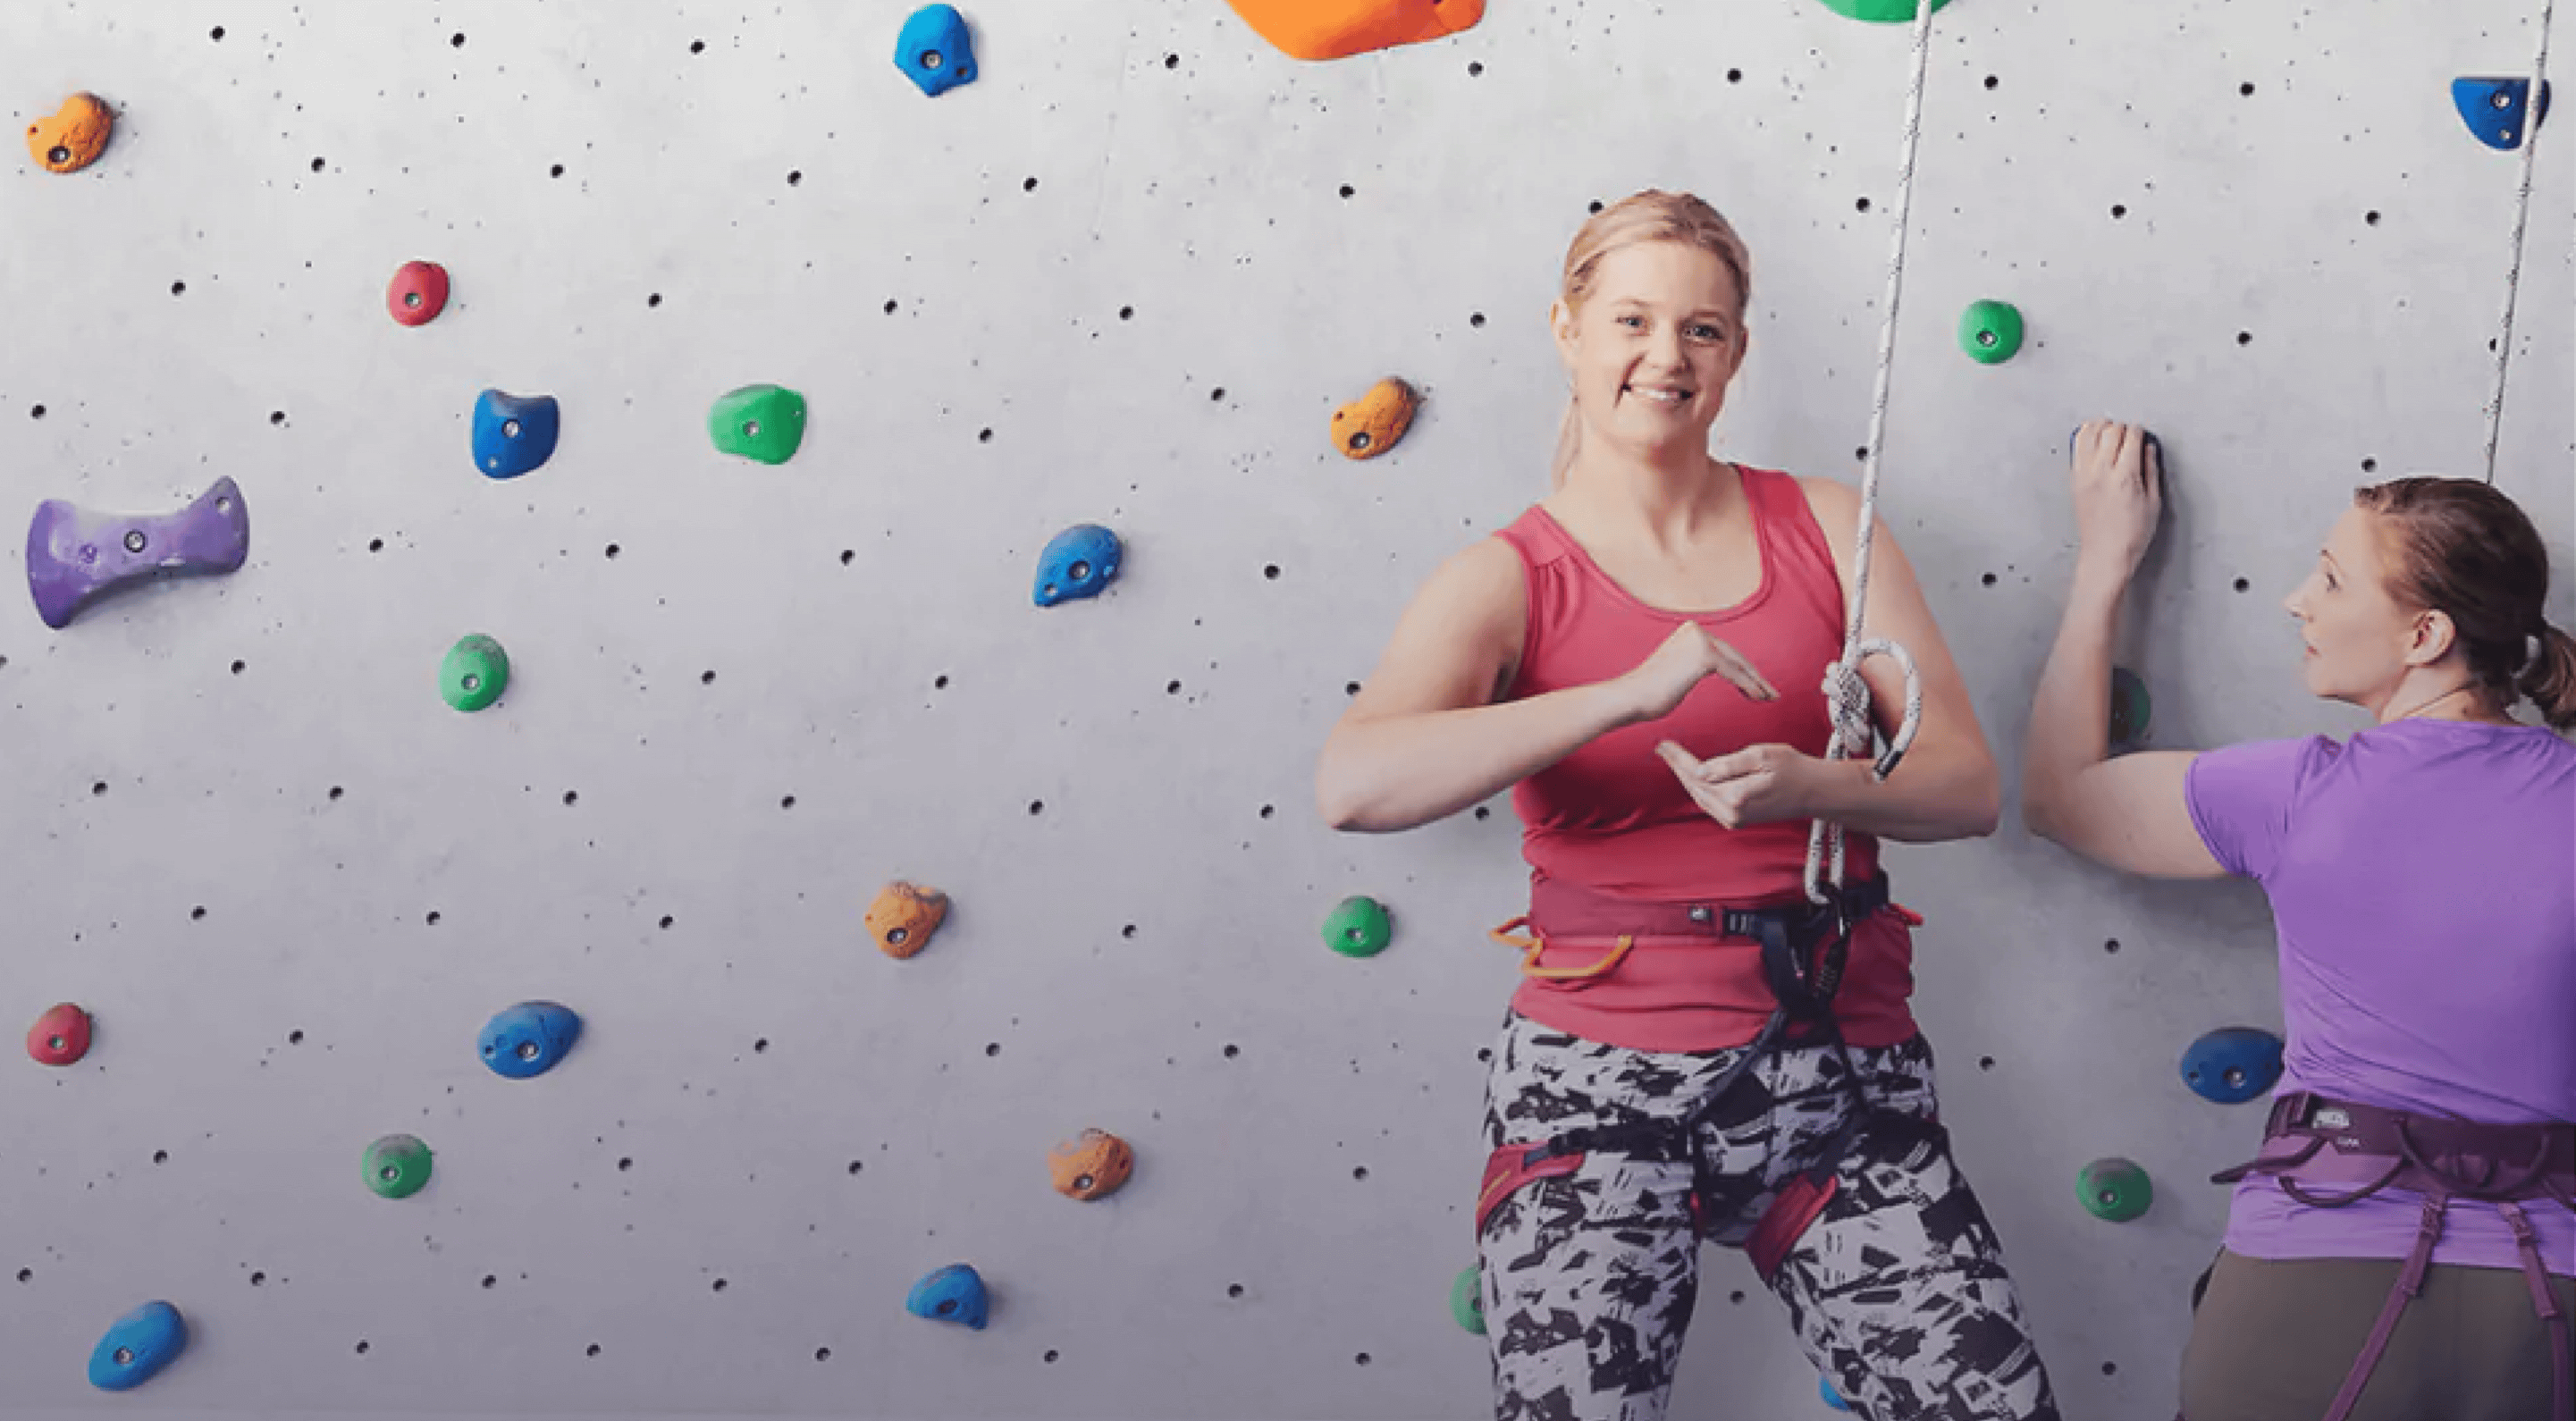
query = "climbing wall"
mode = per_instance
[{"x": 1124, "y": 277}]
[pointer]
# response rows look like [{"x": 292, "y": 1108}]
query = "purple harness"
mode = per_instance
[{"x": 2311, "y": 1140}]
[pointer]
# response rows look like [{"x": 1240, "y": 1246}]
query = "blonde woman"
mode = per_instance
[{"x": 1695, "y": 1052}]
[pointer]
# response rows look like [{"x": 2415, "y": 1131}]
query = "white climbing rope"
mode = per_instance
[
  {"x": 1845, "y": 692},
  {"x": 2521, "y": 219}
]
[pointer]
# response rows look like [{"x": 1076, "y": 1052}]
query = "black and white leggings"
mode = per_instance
[{"x": 1897, "y": 1292}]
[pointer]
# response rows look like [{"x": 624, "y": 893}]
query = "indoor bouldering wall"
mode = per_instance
[{"x": 945, "y": 489}]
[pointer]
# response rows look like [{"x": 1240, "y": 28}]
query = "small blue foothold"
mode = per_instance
[
  {"x": 2493, "y": 109},
  {"x": 1078, "y": 562},
  {"x": 953, "y": 1294},
  {"x": 1833, "y": 1398},
  {"x": 527, "y": 1039},
  {"x": 2233, "y": 1065},
  {"x": 137, "y": 1346},
  {"x": 936, "y": 50},
  {"x": 513, "y": 434}
]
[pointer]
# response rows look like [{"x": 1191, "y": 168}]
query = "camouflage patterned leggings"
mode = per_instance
[{"x": 1897, "y": 1292}]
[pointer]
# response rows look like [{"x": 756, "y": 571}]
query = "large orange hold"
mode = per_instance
[
  {"x": 74, "y": 137},
  {"x": 1338, "y": 29},
  {"x": 1370, "y": 425},
  {"x": 903, "y": 918},
  {"x": 1092, "y": 1167}
]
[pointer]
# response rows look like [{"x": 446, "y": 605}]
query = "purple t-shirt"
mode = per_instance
[{"x": 2423, "y": 880}]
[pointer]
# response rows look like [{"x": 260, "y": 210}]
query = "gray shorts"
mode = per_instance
[{"x": 2273, "y": 1340}]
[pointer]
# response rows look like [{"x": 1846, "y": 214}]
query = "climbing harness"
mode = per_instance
[
  {"x": 2521, "y": 220},
  {"x": 1846, "y": 694},
  {"x": 2311, "y": 1140},
  {"x": 1804, "y": 946},
  {"x": 1804, "y": 950}
]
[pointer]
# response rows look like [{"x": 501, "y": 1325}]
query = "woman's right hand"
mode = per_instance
[{"x": 1656, "y": 685}]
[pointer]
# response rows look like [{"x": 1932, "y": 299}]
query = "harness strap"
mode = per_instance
[{"x": 2410, "y": 1281}]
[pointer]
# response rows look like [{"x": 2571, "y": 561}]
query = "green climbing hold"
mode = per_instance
[
  {"x": 2130, "y": 708},
  {"x": 764, "y": 422},
  {"x": 2114, "y": 1189},
  {"x": 1990, "y": 332},
  {"x": 397, "y": 1166},
  {"x": 474, "y": 673},
  {"x": 1880, "y": 12},
  {"x": 1467, "y": 1300},
  {"x": 1358, "y": 927}
]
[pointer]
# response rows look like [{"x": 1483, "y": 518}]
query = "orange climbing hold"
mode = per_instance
[
  {"x": 903, "y": 918},
  {"x": 74, "y": 136},
  {"x": 1092, "y": 1167},
  {"x": 1370, "y": 425},
  {"x": 1338, "y": 29}
]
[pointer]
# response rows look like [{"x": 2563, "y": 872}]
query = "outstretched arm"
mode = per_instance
[{"x": 2129, "y": 813}]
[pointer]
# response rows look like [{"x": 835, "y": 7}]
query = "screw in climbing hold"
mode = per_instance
[
  {"x": 60, "y": 1037},
  {"x": 417, "y": 293},
  {"x": 527, "y": 1039},
  {"x": 1467, "y": 1299},
  {"x": 935, "y": 50},
  {"x": 763, "y": 422},
  {"x": 1338, "y": 29},
  {"x": 1081, "y": 561},
  {"x": 2114, "y": 1189},
  {"x": 952, "y": 1294},
  {"x": 2130, "y": 709},
  {"x": 513, "y": 434},
  {"x": 1093, "y": 1166},
  {"x": 72, "y": 137},
  {"x": 1990, "y": 331},
  {"x": 1880, "y": 12},
  {"x": 475, "y": 673},
  {"x": 2232, "y": 1065},
  {"x": 397, "y": 1166},
  {"x": 2494, "y": 108},
  {"x": 903, "y": 918},
  {"x": 137, "y": 1346},
  {"x": 1358, "y": 926},
  {"x": 1371, "y": 424},
  {"x": 76, "y": 557}
]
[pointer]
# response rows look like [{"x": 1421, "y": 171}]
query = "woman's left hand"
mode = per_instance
[
  {"x": 1755, "y": 785},
  {"x": 2119, "y": 491}
]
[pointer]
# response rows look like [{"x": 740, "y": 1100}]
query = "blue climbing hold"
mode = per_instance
[
  {"x": 527, "y": 1039},
  {"x": 1077, "y": 562},
  {"x": 513, "y": 434},
  {"x": 137, "y": 1346},
  {"x": 936, "y": 50},
  {"x": 2233, "y": 1065},
  {"x": 1833, "y": 1398},
  {"x": 953, "y": 1294},
  {"x": 2493, "y": 109}
]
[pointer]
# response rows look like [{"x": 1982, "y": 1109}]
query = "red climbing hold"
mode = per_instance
[
  {"x": 418, "y": 293},
  {"x": 60, "y": 1037}
]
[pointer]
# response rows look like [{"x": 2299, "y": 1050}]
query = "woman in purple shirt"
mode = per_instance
[{"x": 2422, "y": 876}]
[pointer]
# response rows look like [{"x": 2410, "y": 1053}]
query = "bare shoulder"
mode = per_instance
[{"x": 1459, "y": 643}]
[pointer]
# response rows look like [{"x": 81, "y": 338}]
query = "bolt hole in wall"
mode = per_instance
[{"x": 763, "y": 423}]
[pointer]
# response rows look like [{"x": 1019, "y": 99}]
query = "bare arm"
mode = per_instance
[
  {"x": 1947, "y": 786},
  {"x": 2129, "y": 813},
  {"x": 1423, "y": 739}
]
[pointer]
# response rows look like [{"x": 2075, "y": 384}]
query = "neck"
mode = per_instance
[
  {"x": 1658, "y": 493},
  {"x": 2461, "y": 701}
]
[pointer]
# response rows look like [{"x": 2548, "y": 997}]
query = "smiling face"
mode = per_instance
[
  {"x": 1652, "y": 344},
  {"x": 2362, "y": 643}
]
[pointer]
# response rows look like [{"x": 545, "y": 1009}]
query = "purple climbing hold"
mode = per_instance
[{"x": 76, "y": 557}]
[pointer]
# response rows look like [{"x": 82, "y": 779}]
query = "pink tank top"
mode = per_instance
[{"x": 1613, "y": 818}]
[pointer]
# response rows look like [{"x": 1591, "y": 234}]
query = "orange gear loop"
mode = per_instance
[{"x": 1535, "y": 944}]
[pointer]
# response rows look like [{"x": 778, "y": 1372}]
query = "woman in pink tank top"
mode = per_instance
[{"x": 1698, "y": 1053}]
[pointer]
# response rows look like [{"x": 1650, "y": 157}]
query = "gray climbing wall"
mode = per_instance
[{"x": 1125, "y": 277}]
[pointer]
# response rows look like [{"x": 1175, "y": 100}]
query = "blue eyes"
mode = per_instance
[{"x": 1697, "y": 332}]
